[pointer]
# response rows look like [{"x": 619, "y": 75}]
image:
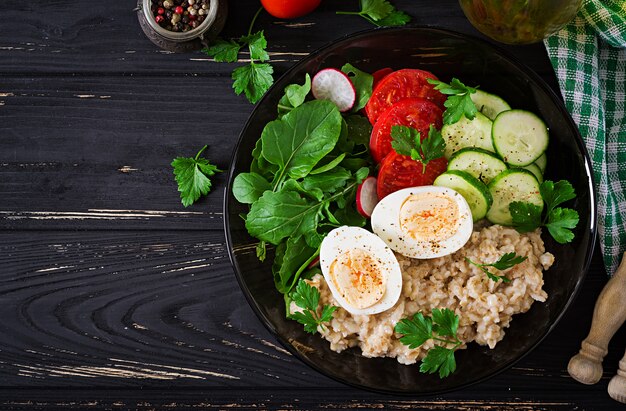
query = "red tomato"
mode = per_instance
[
  {"x": 398, "y": 172},
  {"x": 417, "y": 113},
  {"x": 401, "y": 84},
  {"x": 289, "y": 9},
  {"x": 381, "y": 74}
]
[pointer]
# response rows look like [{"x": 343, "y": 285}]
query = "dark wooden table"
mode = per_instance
[{"x": 114, "y": 296}]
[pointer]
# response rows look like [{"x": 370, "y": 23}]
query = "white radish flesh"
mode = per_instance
[
  {"x": 331, "y": 84},
  {"x": 366, "y": 197}
]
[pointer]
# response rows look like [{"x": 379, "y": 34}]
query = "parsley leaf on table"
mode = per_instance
[
  {"x": 459, "y": 103},
  {"x": 419, "y": 329},
  {"x": 407, "y": 141},
  {"x": 255, "y": 78},
  {"x": 380, "y": 13},
  {"x": 192, "y": 176},
  {"x": 559, "y": 221},
  {"x": 307, "y": 297},
  {"x": 507, "y": 261}
]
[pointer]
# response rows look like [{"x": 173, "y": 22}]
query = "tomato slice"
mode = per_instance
[
  {"x": 398, "y": 172},
  {"x": 417, "y": 113},
  {"x": 401, "y": 84},
  {"x": 381, "y": 74}
]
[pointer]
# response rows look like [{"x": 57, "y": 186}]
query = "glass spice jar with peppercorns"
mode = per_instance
[{"x": 181, "y": 25}]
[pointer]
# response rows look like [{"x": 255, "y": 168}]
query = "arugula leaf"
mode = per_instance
[
  {"x": 506, "y": 261},
  {"x": 296, "y": 93},
  {"x": 407, "y": 141},
  {"x": 557, "y": 193},
  {"x": 307, "y": 297},
  {"x": 329, "y": 181},
  {"x": 526, "y": 216},
  {"x": 253, "y": 80},
  {"x": 249, "y": 187},
  {"x": 261, "y": 251},
  {"x": 363, "y": 83},
  {"x": 298, "y": 141},
  {"x": 560, "y": 223},
  {"x": 328, "y": 166},
  {"x": 290, "y": 256},
  {"x": 277, "y": 215},
  {"x": 192, "y": 176},
  {"x": 359, "y": 129},
  {"x": 416, "y": 330},
  {"x": 439, "y": 359},
  {"x": 419, "y": 329},
  {"x": 380, "y": 13},
  {"x": 459, "y": 103},
  {"x": 224, "y": 51}
]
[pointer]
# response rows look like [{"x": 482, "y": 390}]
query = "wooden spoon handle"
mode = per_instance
[
  {"x": 617, "y": 386},
  {"x": 608, "y": 315}
]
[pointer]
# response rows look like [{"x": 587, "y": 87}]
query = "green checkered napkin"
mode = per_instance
[{"x": 589, "y": 58}]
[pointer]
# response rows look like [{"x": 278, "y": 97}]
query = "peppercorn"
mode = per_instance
[{"x": 179, "y": 15}]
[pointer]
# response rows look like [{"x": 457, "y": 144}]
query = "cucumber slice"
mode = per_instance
[
  {"x": 489, "y": 104},
  {"x": 534, "y": 168},
  {"x": 480, "y": 163},
  {"x": 473, "y": 191},
  {"x": 468, "y": 133},
  {"x": 542, "y": 162},
  {"x": 512, "y": 185},
  {"x": 519, "y": 137}
]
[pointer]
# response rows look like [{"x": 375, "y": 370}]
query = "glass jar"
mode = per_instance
[
  {"x": 519, "y": 21},
  {"x": 183, "y": 41}
]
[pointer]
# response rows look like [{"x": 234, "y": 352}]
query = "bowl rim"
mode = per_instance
[{"x": 528, "y": 72}]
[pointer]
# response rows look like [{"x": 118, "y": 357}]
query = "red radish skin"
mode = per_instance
[
  {"x": 366, "y": 197},
  {"x": 332, "y": 84},
  {"x": 313, "y": 263}
]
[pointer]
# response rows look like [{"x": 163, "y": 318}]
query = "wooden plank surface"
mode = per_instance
[{"x": 113, "y": 295}]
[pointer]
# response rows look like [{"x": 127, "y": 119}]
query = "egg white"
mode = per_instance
[
  {"x": 345, "y": 238},
  {"x": 386, "y": 224}
]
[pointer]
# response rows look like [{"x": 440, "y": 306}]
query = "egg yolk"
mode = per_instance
[
  {"x": 428, "y": 217},
  {"x": 358, "y": 277}
]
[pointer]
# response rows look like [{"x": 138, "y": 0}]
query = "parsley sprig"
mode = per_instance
[
  {"x": 558, "y": 220},
  {"x": 407, "y": 141},
  {"x": 441, "y": 327},
  {"x": 307, "y": 297},
  {"x": 380, "y": 13},
  {"x": 459, "y": 101},
  {"x": 505, "y": 262},
  {"x": 252, "y": 79},
  {"x": 192, "y": 176}
]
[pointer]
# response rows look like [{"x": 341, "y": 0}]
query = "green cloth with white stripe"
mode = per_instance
[{"x": 589, "y": 58}]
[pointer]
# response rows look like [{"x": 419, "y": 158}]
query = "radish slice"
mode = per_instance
[
  {"x": 331, "y": 84},
  {"x": 366, "y": 197},
  {"x": 314, "y": 263}
]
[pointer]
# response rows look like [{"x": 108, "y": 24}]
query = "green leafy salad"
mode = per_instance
[{"x": 312, "y": 162}]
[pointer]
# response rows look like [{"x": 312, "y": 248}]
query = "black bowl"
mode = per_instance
[{"x": 474, "y": 61}]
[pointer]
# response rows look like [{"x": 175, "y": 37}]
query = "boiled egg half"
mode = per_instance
[
  {"x": 423, "y": 222},
  {"x": 361, "y": 271}
]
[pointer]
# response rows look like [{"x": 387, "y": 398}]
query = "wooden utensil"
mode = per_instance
[
  {"x": 617, "y": 386},
  {"x": 609, "y": 314}
]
